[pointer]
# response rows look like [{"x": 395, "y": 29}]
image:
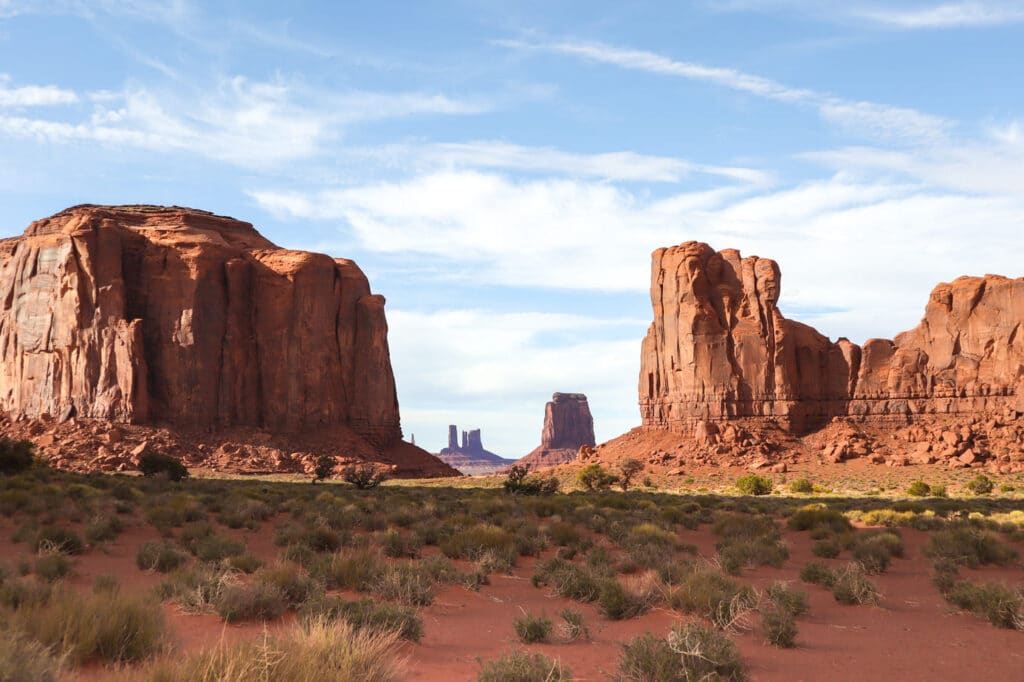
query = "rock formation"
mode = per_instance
[
  {"x": 470, "y": 457},
  {"x": 722, "y": 365},
  {"x": 568, "y": 426},
  {"x": 185, "y": 319}
]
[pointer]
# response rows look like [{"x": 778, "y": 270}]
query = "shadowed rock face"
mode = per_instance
[
  {"x": 568, "y": 425},
  {"x": 719, "y": 348},
  {"x": 181, "y": 317}
]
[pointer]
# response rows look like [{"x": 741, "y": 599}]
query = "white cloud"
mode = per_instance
[
  {"x": 874, "y": 119},
  {"x": 33, "y": 95},
  {"x": 498, "y": 369},
  {"x": 827, "y": 234},
  {"x": 946, "y": 15},
  {"x": 243, "y": 122}
]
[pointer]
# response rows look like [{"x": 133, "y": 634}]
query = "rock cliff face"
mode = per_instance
[
  {"x": 719, "y": 349},
  {"x": 178, "y": 317},
  {"x": 568, "y": 426},
  {"x": 470, "y": 457}
]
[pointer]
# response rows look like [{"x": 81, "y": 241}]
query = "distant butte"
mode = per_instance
[
  {"x": 568, "y": 426},
  {"x": 470, "y": 457}
]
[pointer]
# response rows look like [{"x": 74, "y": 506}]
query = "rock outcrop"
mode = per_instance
[
  {"x": 470, "y": 457},
  {"x": 181, "y": 318},
  {"x": 568, "y": 426},
  {"x": 722, "y": 365}
]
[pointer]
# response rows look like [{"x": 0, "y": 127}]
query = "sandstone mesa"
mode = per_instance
[
  {"x": 193, "y": 323},
  {"x": 568, "y": 426}
]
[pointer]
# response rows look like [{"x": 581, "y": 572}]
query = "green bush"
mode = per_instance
[
  {"x": 826, "y": 549},
  {"x": 595, "y": 477},
  {"x": 294, "y": 584},
  {"x": 690, "y": 653},
  {"x": 522, "y": 666},
  {"x": 16, "y": 456},
  {"x": 818, "y": 517},
  {"x": 57, "y": 539},
  {"x": 405, "y": 583},
  {"x": 618, "y": 603},
  {"x": 581, "y": 583},
  {"x": 801, "y": 486},
  {"x": 52, "y": 567},
  {"x": 103, "y": 529},
  {"x": 532, "y": 629},
  {"x": 785, "y": 597},
  {"x": 1002, "y": 606},
  {"x": 817, "y": 573},
  {"x": 754, "y": 485},
  {"x": 365, "y": 614},
  {"x": 518, "y": 482},
  {"x": 356, "y": 569},
  {"x": 919, "y": 489},
  {"x": 968, "y": 546},
  {"x": 153, "y": 464},
  {"x": 255, "y": 601},
  {"x": 159, "y": 556},
  {"x": 981, "y": 485},
  {"x": 779, "y": 627},
  {"x": 324, "y": 467},
  {"x": 707, "y": 593},
  {"x": 874, "y": 550}
]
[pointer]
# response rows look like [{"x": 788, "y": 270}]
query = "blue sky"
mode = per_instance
[{"x": 502, "y": 171}]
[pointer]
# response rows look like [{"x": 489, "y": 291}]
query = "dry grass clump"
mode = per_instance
[
  {"x": 26, "y": 660},
  {"x": 318, "y": 649},
  {"x": 690, "y": 653},
  {"x": 522, "y": 666}
]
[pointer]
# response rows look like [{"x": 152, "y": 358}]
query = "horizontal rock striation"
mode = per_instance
[
  {"x": 719, "y": 349},
  {"x": 146, "y": 314}
]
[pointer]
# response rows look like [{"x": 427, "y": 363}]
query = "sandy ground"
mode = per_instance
[{"x": 912, "y": 635}]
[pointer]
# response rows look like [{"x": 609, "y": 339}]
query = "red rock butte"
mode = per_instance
[
  {"x": 719, "y": 349},
  {"x": 178, "y": 317}
]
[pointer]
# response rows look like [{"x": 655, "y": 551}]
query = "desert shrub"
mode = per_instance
[
  {"x": 1000, "y": 605},
  {"x": 14, "y": 594},
  {"x": 103, "y": 529},
  {"x": 246, "y": 563},
  {"x": 396, "y": 545},
  {"x": 563, "y": 534},
  {"x": 356, "y": 569},
  {"x": 365, "y": 614},
  {"x": 363, "y": 476},
  {"x": 25, "y": 660},
  {"x": 16, "y": 456},
  {"x": 618, "y": 603},
  {"x": 968, "y": 546},
  {"x": 240, "y": 602},
  {"x": 569, "y": 580},
  {"x": 852, "y": 586},
  {"x": 519, "y": 482},
  {"x": 522, "y": 666},
  {"x": 779, "y": 627},
  {"x": 404, "y": 583},
  {"x": 826, "y": 549},
  {"x": 874, "y": 551},
  {"x": 748, "y": 540},
  {"x": 313, "y": 650},
  {"x": 572, "y": 626},
  {"x": 919, "y": 489},
  {"x": 980, "y": 485},
  {"x": 244, "y": 512},
  {"x": 532, "y": 629},
  {"x": 106, "y": 584},
  {"x": 57, "y": 539},
  {"x": 816, "y": 517},
  {"x": 754, "y": 485},
  {"x": 817, "y": 573},
  {"x": 154, "y": 464},
  {"x": 159, "y": 556},
  {"x": 788, "y": 598},
  {"x": 801, "y": 486},
  {"x": 107, "y": 627},
  {"x": 708, "y": 593},
  {"x": 293, "y": 583},
  {"x": 52, "y": 567},
  {"x": 202, "y": 542},
  {"x": 324, "y": 467},
  {"x": 483, "y": 538},
  {"x": 195, "y": 589},
  {"x": 595, "y": 477},
  {"x": 628, "y": 470},
  {"x": 690, "y": 653}
]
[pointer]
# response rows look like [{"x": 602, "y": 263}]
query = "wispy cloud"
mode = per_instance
[
  {"x": 874, "y": 119},
  {"x": 33, "y": 95},
  {"x": 240, "y": 121},
  {"x": 946, "y": 15}
]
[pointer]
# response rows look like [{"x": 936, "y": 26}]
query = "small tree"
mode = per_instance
[
  {"x": 754, "y": 485},
  {"x": 594, "y": 477},
  {"x": 324, "y": 468},
  {"x": 363, "y": 476},
  {"x": 981, "y": 485},
  {"x": 628, "y": 470},
  {"x": 15, "y": 455},
  {"x": 154, "y": 464},
  {"x": 518, "y": 482}
]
